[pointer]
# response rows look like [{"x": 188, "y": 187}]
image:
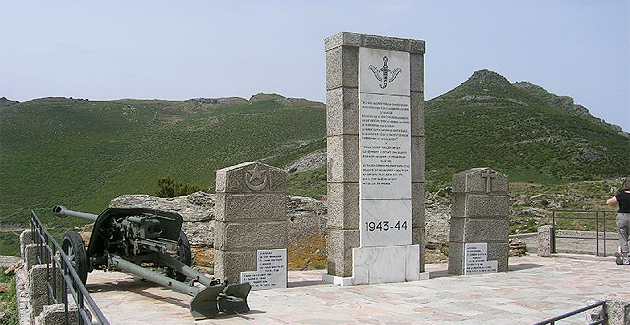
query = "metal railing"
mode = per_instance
[
  {"x": 600, "y": 217},
  {"x": 602, "y": 303},
  {"x": 49, "y": 252}
]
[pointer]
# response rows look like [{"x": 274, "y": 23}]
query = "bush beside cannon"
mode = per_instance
[{"x": 124, "y": 239}]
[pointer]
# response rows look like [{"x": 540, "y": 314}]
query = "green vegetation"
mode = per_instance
[
  {"x": 9, "y": 243},
  {"x": 533, "y": 204},
  {"x": 487, "y": 121},
  {"x": 171, "y": 188},
  {"x": 311, "y": 183},
  {"x": 84, "y": 153},
  {"x": 8, "y": 302}
]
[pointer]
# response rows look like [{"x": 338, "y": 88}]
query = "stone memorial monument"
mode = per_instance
[
  {"x": 479, "y": 232},
  {"x": 251, "y": 226},
  {"x": 375, "y": 143}
]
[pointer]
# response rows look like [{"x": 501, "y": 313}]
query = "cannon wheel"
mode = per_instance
[
  {"x": 183, "y": 255},
  {"x": 73, "y": 246}
]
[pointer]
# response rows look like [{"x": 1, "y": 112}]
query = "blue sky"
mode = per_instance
[{"x": 186, "y": 49}]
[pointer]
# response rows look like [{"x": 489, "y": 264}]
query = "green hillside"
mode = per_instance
[
  {"x": 522, "y": 130},
  {"x": 84, "y": 153}
]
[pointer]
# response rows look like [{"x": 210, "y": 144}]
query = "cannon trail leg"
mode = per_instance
[
  {"x": 126, "y": 266},
  {"x": 232, "y": 299},
  {"x": 206, "y": 302}
]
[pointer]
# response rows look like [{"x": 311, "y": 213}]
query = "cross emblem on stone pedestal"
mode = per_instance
[{"x": 488, "y": 174}]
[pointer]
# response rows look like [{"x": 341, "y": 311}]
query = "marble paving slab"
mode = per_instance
[{"x": 535, "y": 288}]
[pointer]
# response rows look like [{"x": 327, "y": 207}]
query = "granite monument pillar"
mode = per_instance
[{"x": 375, "y": 143}]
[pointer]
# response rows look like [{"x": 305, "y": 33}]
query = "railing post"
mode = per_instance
[
  {"x": 596, "y": 233},
  {"x": 54, "y": 273},
  {"x": 70, "y": 284},
  {"x": 553, "y": 231},
  {"x": 604, "y": 233},
  {"x": 64, "y": 292},
  {"x": 81, "y": 306}
]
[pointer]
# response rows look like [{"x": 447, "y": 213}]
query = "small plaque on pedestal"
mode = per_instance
[
  {"x": 476, "y": 259},
  {"x": 271, "y": 270}
]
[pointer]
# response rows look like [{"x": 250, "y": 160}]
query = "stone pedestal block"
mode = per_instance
[
  {"x": 498, "y": 251},
  {"x": 479, "y": 206},
  {"x": 251, "y": 177},
  {"x": 243, "y": 236},
  {"x": 26, "y": 238},
  {"x": 55, "y": 314},
  {"x": 30, "y": 255},
  {"x": 228, "y": 265},
  {"x": 479, "y": 219},
  {"x": 467, "y": 230},
  {"x": 343, "y": 158},
  {"x": 617, "y": 311},
  {"x": 342, "y": 67},
  {"x": 480, "y": 181},
  {"x": 417, "y": 205},
  {"x": 343, "y": 206},
  {"x": 38, "y": 276},
  {"x": 545, "y": 241},
  {"x": 418, "y": 237},
  {"x": 37, "y": 289},
  {"x": 342, "y": 111},
  {"x": 417, "y": 157},
  {"x": 340, "y": 244},
  {"x": 417, "y": 115},
  {"x": 231, "y": 207},
  {"x": 251, "y": 216}
]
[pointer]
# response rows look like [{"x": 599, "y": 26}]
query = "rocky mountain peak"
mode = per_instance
[
  {"x": 487, "y": 78},
  {"x": 485, "y": 83},
  {"x": 262, "y": 96}
]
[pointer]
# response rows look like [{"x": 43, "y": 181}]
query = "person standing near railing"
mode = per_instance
[{"x": 623, "y": 220}]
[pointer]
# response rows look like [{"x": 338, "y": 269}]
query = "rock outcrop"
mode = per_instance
[
  {"x": 196, "y": 209},
  {"x": 307, "y": 232},
  {"x": 312, "y": 161}
]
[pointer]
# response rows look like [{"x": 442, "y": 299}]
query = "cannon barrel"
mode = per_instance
[{"x": 60, "y": 210}]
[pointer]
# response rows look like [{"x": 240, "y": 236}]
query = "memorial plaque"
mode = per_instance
[
  {"x": 384, "y": 148},
  {"x": 476, "y": 259},
  {"x": 271, "y": 270}
]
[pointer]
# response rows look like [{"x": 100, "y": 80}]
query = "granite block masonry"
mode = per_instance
[
  {"x": 545, "y": 240},
  {"x": 479, "y": 234},
  {"x": 375, "y": 158},
  {"x": 251, "y": 226}
]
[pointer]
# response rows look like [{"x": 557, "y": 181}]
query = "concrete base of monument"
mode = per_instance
[
  {"x": 348, "y": 281},
  {"x": 337, "y": 280},
  {"x": 372, "y": 265}
]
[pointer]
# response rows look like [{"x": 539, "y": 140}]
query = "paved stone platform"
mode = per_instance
[{"x": 534, "y": 289}]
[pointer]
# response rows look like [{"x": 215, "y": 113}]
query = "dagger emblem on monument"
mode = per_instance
[{"x": 384, "y": 74}]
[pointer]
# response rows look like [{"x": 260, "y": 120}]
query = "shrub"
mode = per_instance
[{"x": 168, "y": 187}]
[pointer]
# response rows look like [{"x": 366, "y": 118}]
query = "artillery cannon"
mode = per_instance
[{"x": 123, "y": 239}]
